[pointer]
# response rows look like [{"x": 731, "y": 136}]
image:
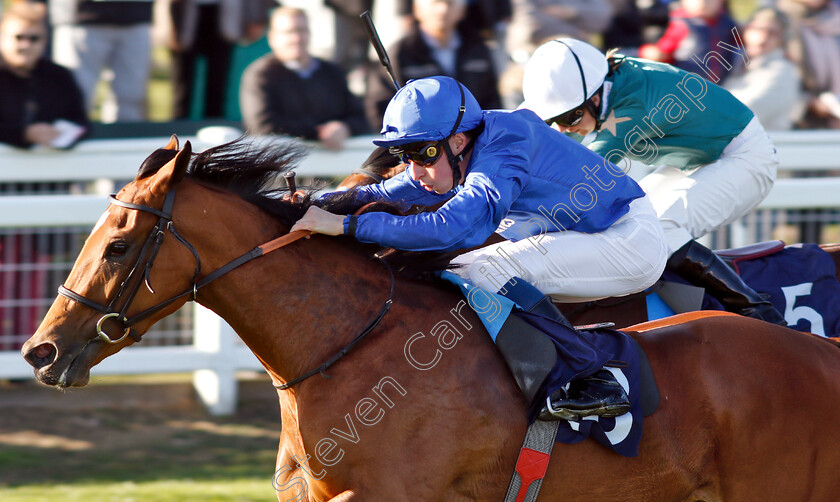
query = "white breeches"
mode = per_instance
[
  {"x": 626, "y": 258},
  {"x": 692, "y": 203}
]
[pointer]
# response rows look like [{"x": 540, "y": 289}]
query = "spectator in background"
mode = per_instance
[
  {"x": 483, "y": 14},
  {"x": 694, "y": 30},
  {"x": 291, "y": 92},
  {"x": 769, "y": 84},
  {"x": 435, "y": 47},
  {"x": 90, "y": 35},
  {"x": 625, "y": 31},
  {"x": 40, "y": 103},
  {"x": 816, "y": 49},
  {"x": 352, "y": 43},
  {"x": 193, "y": 29},
  {"x": 535, "y": 21}
]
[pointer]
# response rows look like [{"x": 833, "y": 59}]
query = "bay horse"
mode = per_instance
[{"x": 423, "y": 408}]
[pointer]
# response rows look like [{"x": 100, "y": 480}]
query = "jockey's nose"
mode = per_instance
[{"x": 417, "y": 170}]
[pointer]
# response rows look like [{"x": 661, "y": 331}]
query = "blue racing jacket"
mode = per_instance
[{"x": 521, "y": 171}]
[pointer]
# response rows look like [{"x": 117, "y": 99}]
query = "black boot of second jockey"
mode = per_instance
[
  {"x": 703, "y": 268},
  {"x": 531, "y": 355}
]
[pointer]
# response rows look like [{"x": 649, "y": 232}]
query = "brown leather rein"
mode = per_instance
[{"x": 146, "y": 259}]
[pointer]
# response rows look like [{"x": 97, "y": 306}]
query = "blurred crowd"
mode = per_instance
[{"x": 305, "y": 68}]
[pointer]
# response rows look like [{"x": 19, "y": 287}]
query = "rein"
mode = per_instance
[{"x": 149, "y": 253}]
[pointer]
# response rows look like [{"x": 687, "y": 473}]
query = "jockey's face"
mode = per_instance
[
  {"x": 437, "y": 176},
  {"x": 586, "y": 124}
]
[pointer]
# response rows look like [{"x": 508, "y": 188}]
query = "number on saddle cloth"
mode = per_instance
[
  {"x": 579, "y": 354},
  {"x": 801, "y": 280}
]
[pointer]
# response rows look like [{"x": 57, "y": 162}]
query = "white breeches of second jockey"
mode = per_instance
[
  {"x": 692, "y": 203},
  {"x": 626, "y": 258}
]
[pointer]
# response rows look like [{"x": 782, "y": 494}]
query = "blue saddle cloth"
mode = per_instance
[
  {"x": 580, "y": 353},
  {"x": 799, "y": 279},
  {"x": 610, "y": 348},
  {"x": 802, "y": 284}
]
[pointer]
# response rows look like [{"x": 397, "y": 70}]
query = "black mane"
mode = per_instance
[{"x": 252, "y": 171}]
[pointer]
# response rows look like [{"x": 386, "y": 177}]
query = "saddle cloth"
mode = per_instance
[
  {"x": 799, "y": 279},
  {"x": 580, "y": 353},
  {"x": 619, "y": 353},
  {"x": 802, "y": 284}
]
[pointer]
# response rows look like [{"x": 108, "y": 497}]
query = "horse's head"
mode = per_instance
[{"x": 111, "y": 282}]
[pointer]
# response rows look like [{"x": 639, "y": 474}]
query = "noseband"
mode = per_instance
[{"x": 142, "y": 268}]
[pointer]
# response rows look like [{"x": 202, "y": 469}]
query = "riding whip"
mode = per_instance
[{"x": 380, "y": 49}]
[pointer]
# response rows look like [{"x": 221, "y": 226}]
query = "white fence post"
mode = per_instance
[{"x": 216, "y": 386}]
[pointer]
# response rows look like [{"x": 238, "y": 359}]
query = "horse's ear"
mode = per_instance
[
  {"x": 172, "y": 172},
  {"x": 173, "y": 143}
]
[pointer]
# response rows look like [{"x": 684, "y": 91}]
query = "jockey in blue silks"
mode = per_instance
[{"x": 576, "y": 227}]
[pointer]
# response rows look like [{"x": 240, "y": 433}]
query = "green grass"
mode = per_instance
[
  {"x": 99, "y": 453},
  {"x": 184, "y": 490},
  {"x": 186, "y": 465}
]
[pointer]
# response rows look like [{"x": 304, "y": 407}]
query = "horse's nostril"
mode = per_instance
[{"x": 42, "y": 355}]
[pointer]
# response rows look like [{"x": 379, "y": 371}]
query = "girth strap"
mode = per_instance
[{"x": 532, "y": 463}]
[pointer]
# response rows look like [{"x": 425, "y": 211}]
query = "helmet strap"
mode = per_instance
[
  {"x": 595, "y": 110},
  {"x": 455, "y": 160}
]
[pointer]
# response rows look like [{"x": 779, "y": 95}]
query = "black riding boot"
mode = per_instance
[
  {"x": 703, "y": 268},
  {"x": 598, "y": 394}
]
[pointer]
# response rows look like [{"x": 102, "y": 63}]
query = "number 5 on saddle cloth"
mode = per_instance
[{"x": 800, "y": 281}]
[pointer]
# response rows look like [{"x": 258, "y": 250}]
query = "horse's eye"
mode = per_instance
[{"x": 117, "y": 249}]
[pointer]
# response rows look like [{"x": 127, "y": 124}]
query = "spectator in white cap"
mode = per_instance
[
  {"x": 714, "y": 160},
  {"x": 577, "y": 228}
]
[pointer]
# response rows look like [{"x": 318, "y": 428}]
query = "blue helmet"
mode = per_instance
[{"x": 428, "y": 109}]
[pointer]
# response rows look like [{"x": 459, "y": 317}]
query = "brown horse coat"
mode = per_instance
[{"x": 424, "y": 408}]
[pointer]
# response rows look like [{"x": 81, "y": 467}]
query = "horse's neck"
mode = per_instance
[
  {"x": 294, "y": 322},
  {"x": 294, "y": 310},
  {"x": 294, "y": 307}
]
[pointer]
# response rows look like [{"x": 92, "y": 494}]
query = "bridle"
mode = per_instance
[{"x": 142, "y": 268}]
